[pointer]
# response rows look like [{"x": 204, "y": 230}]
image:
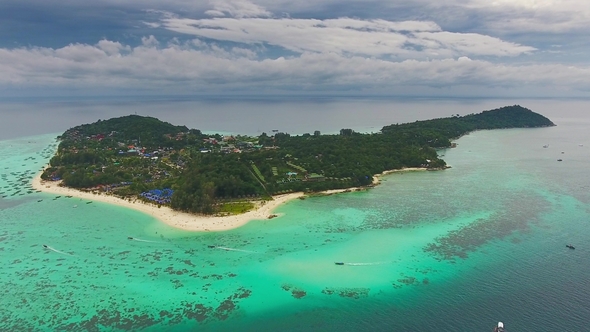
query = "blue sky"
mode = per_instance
[{"x": 462, "y": 48}]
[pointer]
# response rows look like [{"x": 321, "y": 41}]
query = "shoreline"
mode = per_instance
[
  {"x": 177, "y": 219},
  {"x": 377, "y": 177},
  {"x": 194, "y": 222}
]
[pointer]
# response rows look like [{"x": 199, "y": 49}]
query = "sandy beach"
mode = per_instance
[
  {"x": 377, "y": 177},
  {"x": 182, "y": 220},
  {"x": 188, "y": 221}
]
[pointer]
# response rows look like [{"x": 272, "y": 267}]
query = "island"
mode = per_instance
[{"x": 197, "y": 181}]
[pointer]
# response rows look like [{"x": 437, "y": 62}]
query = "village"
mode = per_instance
[{"x": 113, "y": 163}]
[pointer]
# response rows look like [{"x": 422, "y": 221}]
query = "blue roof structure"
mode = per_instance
[{"x": 160, "y": 196}]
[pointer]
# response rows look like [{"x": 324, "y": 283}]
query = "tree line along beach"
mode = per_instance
[{"x": 201, "y": 182}]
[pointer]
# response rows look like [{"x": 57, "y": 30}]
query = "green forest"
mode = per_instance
[{"x": 137, "y": 156}]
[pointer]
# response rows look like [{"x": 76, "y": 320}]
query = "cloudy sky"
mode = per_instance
[{"x": 532, "y": 48}]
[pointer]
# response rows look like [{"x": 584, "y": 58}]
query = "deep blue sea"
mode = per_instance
[{"x": 453, "y": 250}]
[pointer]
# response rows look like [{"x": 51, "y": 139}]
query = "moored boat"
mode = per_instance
[{"x": 570, "y": 246}]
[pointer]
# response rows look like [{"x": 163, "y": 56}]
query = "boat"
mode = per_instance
[
  {"x": 499, "y": 328},
  {"x": 570, "y": 246},
  {"x": 559, "y": 159},
  {"x": 339, "y": 263},
  {"x": 45, "y": 246},
  {"x": 210, "y": 246},
  {"x": 130, "y": 238},
  {"x": 546, "y": 146}
]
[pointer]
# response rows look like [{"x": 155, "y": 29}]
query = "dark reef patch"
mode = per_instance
[
  {"x": 354, "y": 293},
  {"x": 521, "y": 212},
  {"x": 295, "y": 291}
]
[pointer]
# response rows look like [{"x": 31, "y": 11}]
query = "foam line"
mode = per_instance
[
  {"x": 366, "y": 264},
  {"x": 233, "y": 249},
  {"x": 140, "y": 240},
  {"x": 58, "y": 251}
]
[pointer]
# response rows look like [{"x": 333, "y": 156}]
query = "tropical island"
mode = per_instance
[{"x": 186, "y": 172}]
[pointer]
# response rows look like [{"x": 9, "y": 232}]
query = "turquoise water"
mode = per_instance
[{"x": 455, "y": 250}]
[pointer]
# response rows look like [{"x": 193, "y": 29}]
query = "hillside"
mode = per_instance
[
  {"x": 150, "y": 131},
  {"x": 146, "y": 158},
  {"x": 439, "y": 132}
]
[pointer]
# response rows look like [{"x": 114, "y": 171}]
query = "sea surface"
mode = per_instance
[{"x": 452, "y": 250}]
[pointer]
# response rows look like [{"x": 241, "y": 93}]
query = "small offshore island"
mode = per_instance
[{"x": 195, "y": 181}]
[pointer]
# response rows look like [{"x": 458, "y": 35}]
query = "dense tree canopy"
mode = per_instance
[{"x": 133, "y": 154}]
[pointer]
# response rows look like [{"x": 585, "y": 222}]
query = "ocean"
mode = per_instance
[{"x": 452, "y": 250}]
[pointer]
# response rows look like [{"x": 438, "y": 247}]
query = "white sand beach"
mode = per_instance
[
  {"x": 188, "y": 221},
  {"x": 182, "y": 220},
  {"x": 377, "y": 177}
]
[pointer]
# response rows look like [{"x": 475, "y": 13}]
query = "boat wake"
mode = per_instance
[
  {"x": 57, "y": 251},
  {"x": 366, "y": 264},
  {"x": 233, "y": 249},
  {"x": 140, "y": 240}
]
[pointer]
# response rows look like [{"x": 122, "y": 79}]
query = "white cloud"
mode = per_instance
[
  {"x": 501, "y": 16},
  {"x": 237, "y": 8},
  {"x": 112, "y": 48},
  {"x": 162, "y": 13},
  {"x": 526, "y": 16},
  {"x": 177, "y": 67},
  {"x": 149, "y": 41},
  {"x": 215, "y": 13},
  {"x": 78, "y": 53},
  {"x": 532, "y": 15},
  {"x": 534, "y": 4},
  {"x": 244, "y": 52},
  {"x": 152, "y": 24},
  {"x": 408, "y": 39},
  {"x": 555, "y": 22},
  {"x": 280, "y": 44}
]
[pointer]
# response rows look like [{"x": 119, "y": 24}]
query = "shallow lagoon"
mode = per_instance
[{"x": 457, "y": 249}]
